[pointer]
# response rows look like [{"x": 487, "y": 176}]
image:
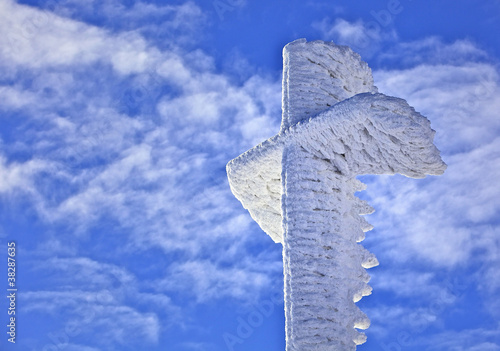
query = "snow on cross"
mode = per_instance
[{"x": 299, "y": 186}]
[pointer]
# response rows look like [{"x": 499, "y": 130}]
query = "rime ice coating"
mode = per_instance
[
  {"x": 299, "y": 186},
  {"x": 316, "y": 77}
]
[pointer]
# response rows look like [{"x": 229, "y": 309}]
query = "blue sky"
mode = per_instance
[{"x": 117, "y": 121}]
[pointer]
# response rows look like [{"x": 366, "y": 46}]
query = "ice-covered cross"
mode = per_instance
[{"x": 299, "y": 186}]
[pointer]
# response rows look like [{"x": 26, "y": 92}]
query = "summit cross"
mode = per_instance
[{"x": 299, "y": 186}]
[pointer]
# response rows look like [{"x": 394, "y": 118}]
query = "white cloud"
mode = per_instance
[
  {"x": 345, "y": 31},
  {"x": 411, "y": 283},
  {"x": 434, "y": 50},
  {"x": 15, "y": 98},
  {"x": 77, "y": 347},
  {"x": 118, "y": 323},
  {"x": 446, "y": 220},
  {"x": 158, "y": 174},
  {"x": 363, "y": 37},
  {"x": 464, "y": 340},
  {"x": 82, "y": 270},
  {"x": 112, "y": 310},
  {"x": 386, "y": 320},
  {"x": 37, "y": 38},
  {"x": 19, "y": 175},
  {"x": 181, "y": 23},
  {"x": 206, "y": 281}
]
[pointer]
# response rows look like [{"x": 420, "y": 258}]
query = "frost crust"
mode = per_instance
[{"x": 317, "y": 75}]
